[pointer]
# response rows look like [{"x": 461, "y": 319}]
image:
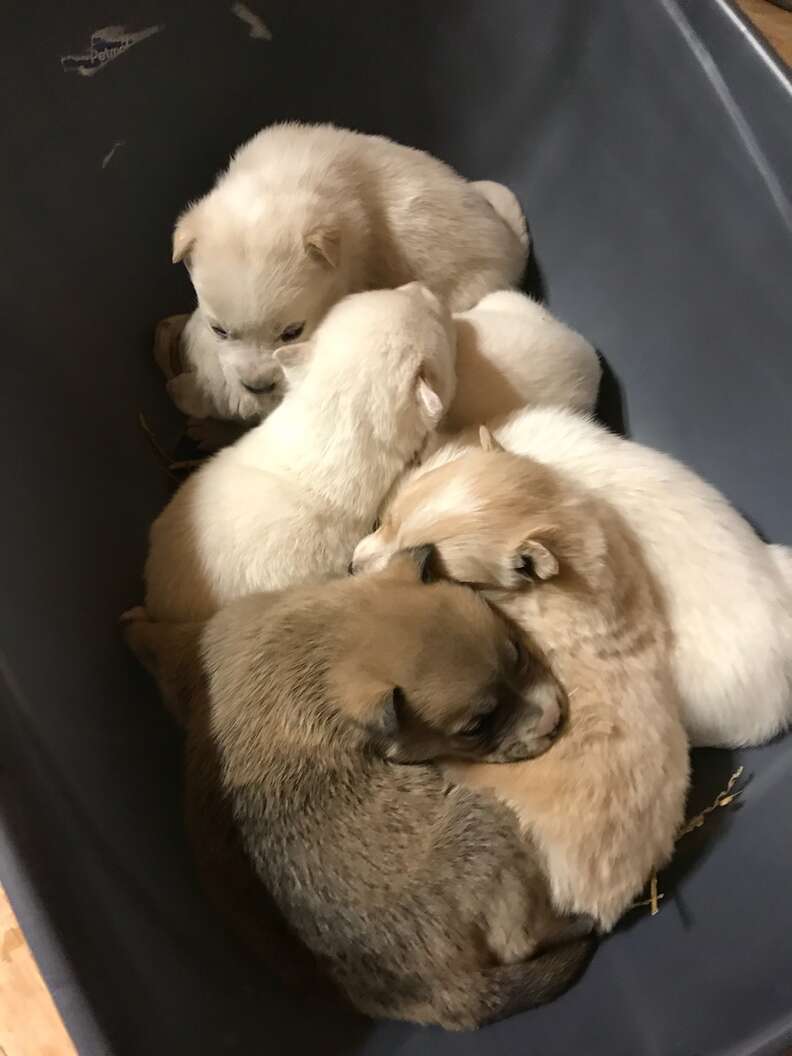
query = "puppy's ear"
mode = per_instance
[
  {"x": 428, "y": 400},
  {"x": 534, "y": 560},
  {"x": 374, "y": 707},
  {"x": 323, "y": 244},
  {"x": 383, "y": 716},
  {"x": 415, "y": 565},
  {"x": 488, "y": 441},
  {"x": 184, "y": 235},
  {"x": 293, "y": 357}
]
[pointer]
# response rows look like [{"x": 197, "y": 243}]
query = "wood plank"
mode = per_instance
[
  {"x": 773, "y": 23},
  {"x": 29, "y": 1022}
]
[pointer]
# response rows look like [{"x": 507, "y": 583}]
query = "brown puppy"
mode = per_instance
[
  {"x": 604, "y": 805},
  {"x": 421, "y": 901}
]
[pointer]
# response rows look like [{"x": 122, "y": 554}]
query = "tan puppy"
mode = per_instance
[
  {"x": 605, "y": 803},
  {"x": 421, "y": 901}
]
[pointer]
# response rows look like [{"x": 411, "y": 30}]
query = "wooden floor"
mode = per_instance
[
  {"x": 773, "y": 23},
  {"x": 29, "y": 1023}
]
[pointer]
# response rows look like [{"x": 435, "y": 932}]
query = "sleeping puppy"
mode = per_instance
[
  {"x": 604, "y": 805},
  {"x": 288, "y": 502},
  {"x": 420, "y": 900},
  {"x": 303, "y": 216},
  {"x": 727, "y": 594},
  {"x": 511, "y": 353}
]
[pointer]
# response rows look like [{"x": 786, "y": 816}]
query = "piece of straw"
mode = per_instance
[
  {"x": 162, "y": 456},
  {"x": 166, "y": 460},
  {"x": 723, "y": 799},
  {"x": 187, "y": 463}
]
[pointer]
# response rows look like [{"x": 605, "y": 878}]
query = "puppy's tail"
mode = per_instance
[
  {"x": 505, "y": 204},
  {"x": 519, "y": 987},
  {"x": 496, "y": 993}
]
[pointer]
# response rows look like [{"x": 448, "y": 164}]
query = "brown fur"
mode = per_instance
[
  {"x": 172, "y": 654},
  {"x": 604, "y": 804},
  {"x": 421, "y": 901}
]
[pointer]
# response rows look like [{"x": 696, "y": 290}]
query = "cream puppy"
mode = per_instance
[
  {"x": 306, "y": 214},
  {"x": 511, "y": 352},
  {"x": 603, "y": 806},
  {"x": 727, "y": 594},
  {"x": 287, "y": 503}
]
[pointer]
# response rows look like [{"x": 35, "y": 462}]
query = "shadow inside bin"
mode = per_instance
[{"x": 711, "y": 769}]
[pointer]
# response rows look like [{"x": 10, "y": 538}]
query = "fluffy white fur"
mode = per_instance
[
  {"x": 306, "y": 214},
  {"x": 287, "y": 503},
  {"x": 511, "y": 353},
  {"x": 728, "y": 594}
]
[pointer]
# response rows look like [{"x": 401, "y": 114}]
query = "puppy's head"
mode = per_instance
[
  {"x": 264, "y": 276},
  {"x": 429, "y": 670},
  {"x": 385, "y": 357},
  {"x": 497, "y": 521}
]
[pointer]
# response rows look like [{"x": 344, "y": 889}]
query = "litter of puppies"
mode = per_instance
[{"x": 446, "y": 676}]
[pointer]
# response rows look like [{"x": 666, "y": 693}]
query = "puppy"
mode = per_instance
[
  {"x": 289, "y": 501},
  {"x": 727, "y": 594},
  {"x": 306, "y": 214},
  {"x": 511, "y": 352},
  {"x": 421, "y": 901},
  {"x": 604, "y": 805}
]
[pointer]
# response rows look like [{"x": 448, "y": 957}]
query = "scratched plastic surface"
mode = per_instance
[{"x": 650, "y": 145}]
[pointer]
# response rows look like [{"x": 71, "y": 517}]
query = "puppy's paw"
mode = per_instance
[
  {"x": 189, "y": 397},
  {"x": 167, "y": 345},
  {"x": 210, "y": 434}
]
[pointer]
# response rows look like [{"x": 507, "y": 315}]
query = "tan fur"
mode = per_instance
[
  {"x": 421, "y": 900},
  {"x": 171, "y": 652},
  {"x": 604, "y": 804}
]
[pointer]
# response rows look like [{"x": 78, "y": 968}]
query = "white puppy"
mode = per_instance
[
  {"x": 728, "y": 594},
  {"x": 287, "y": 503},
  {"x": 511, "y": 352},
  {"x": 306, "y": 214}
]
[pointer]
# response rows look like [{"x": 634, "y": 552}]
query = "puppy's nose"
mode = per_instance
[{"x": 258, "y": 388}]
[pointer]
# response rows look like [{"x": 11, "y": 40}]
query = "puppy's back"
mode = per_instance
[{"x": 410, "y": 893}]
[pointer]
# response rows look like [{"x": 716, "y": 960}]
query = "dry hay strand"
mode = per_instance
[
  {"x": 724, "y": 798},
  {"x": 171, "y": 467}
]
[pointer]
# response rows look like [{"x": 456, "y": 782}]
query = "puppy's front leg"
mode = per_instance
[
  {"x": 188, "y": 395},
  {"x": 171, "y": 652}
]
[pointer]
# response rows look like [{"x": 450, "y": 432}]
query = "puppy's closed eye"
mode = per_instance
[
  {"x": 291, "y": 332},
  {"x": 476, "y": 726},
  {"x": 516, "y": 651}
]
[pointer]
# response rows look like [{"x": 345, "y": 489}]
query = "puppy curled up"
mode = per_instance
[
  {"x": 288, "y": 502},
  {"x": 511, "y": 353},
  {"x": 603, "y": 806},
  {"x": 727, "y": 593},
  {"x": 328, "y": 706},
  {"x": 303, "y": 216}
]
